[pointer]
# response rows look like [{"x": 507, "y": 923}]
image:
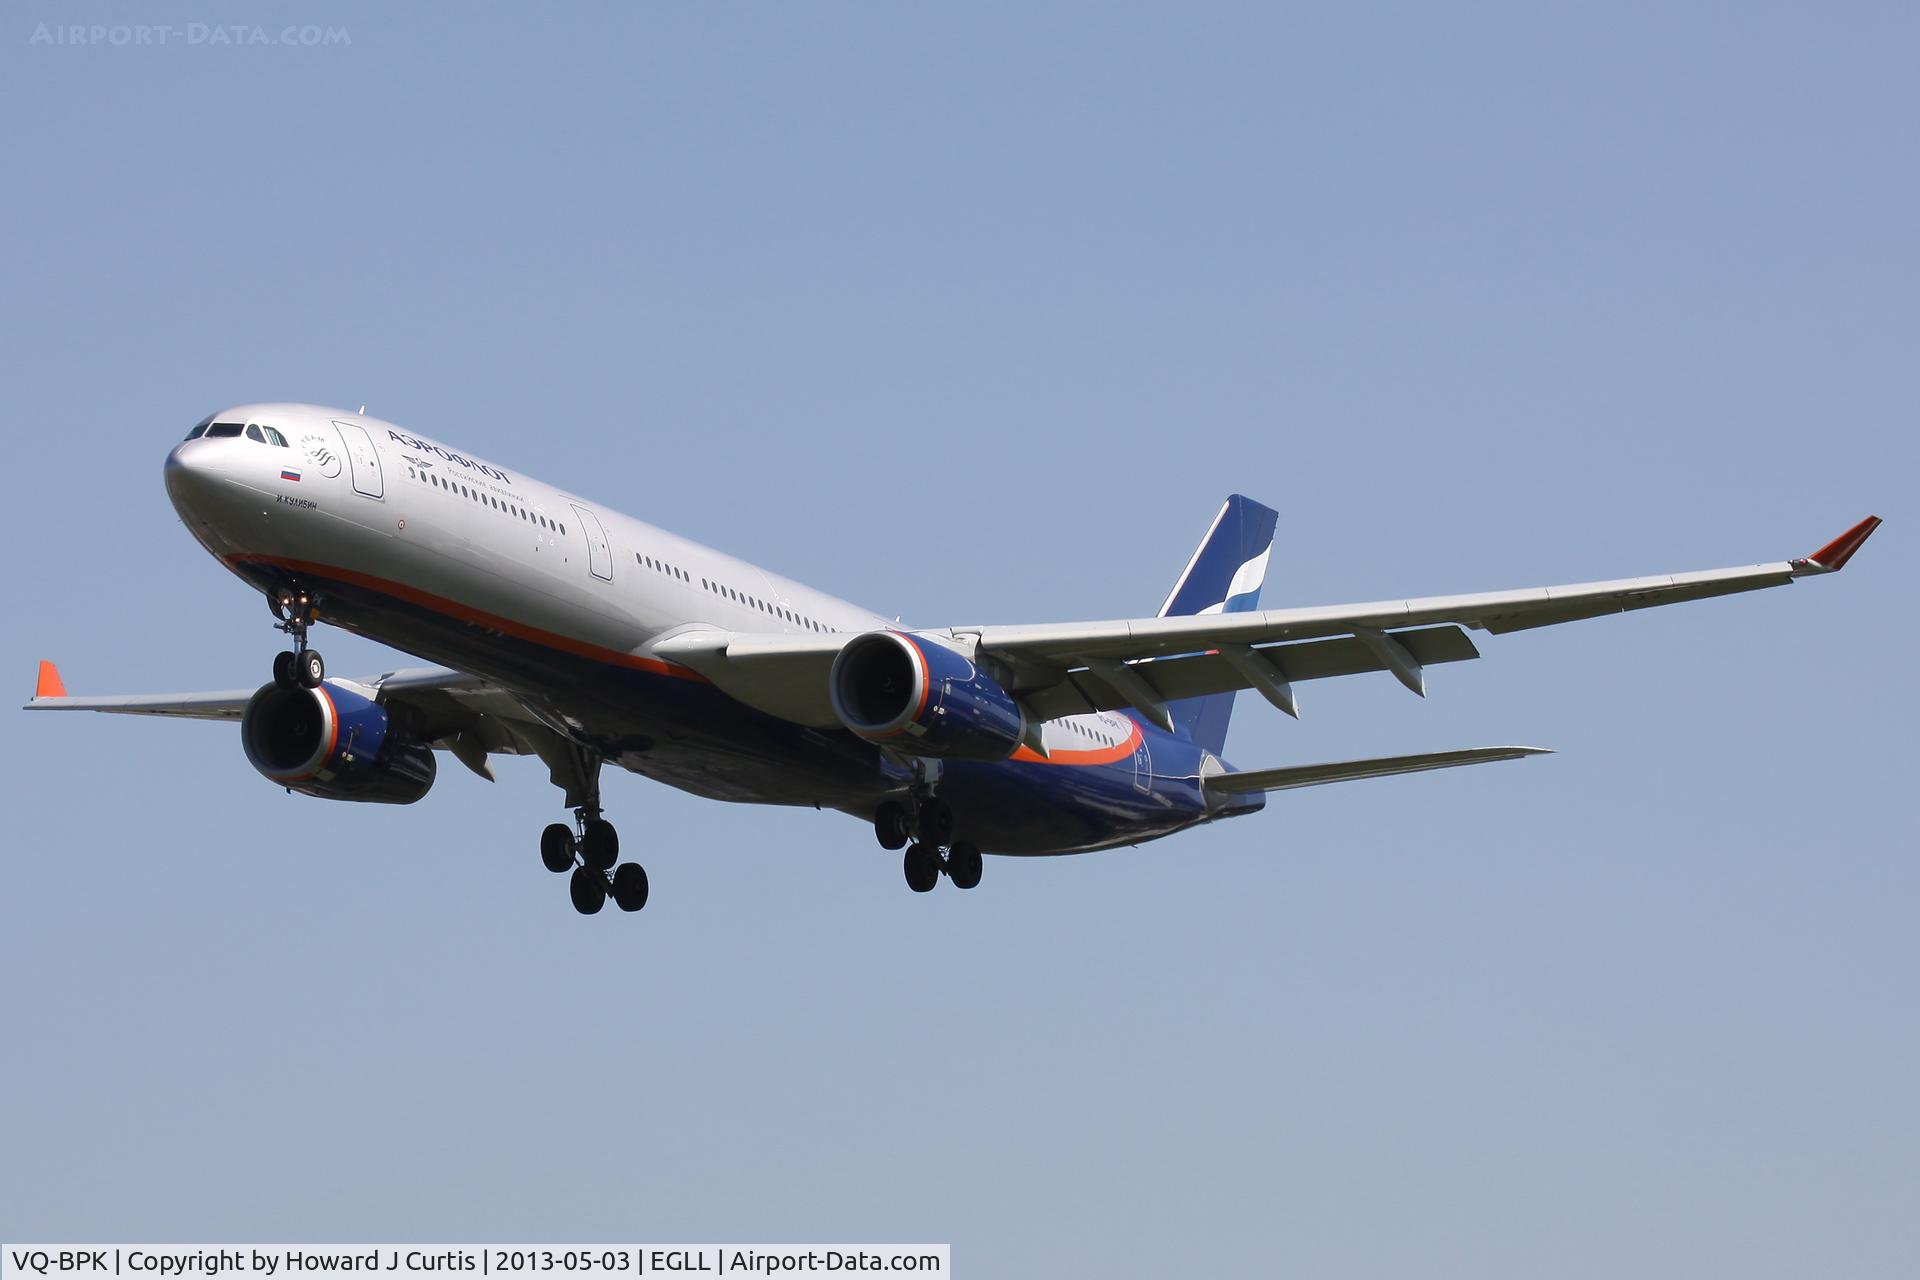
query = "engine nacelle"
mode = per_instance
[
  {"x": 917, "y": 695},
  {"x": 333, "y": 743}
]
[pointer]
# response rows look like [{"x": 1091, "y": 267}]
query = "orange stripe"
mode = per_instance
[
  {"x": 333, "y": 735},
  {"x": 926, "y": 676},
  {"x": 492, "y": 622},
  {"x": 1093, "y": 755}
]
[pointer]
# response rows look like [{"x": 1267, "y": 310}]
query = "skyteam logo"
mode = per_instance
[{"x": 320, "y": 454}]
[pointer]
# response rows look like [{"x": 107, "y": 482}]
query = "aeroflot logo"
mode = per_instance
[{"x": 425, "y": 446}]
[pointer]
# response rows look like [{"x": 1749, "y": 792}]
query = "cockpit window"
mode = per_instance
[
  {"x": 253, "y": 433},
  {"x": 222, "y": 429},
  {"x": 274, "y": 437},
  {"x": 200, "y": 429}
]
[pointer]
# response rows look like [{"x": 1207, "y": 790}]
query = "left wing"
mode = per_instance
[
  {"x": 50, "y": 694},
  {"x": 449, "y": 710},
  {"x": 1060, "y": 669}
]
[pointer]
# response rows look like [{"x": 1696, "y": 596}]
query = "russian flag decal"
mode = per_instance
[{"x": 290, "y": 473}]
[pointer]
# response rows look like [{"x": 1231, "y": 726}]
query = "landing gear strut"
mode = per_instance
[
  {"x": 590, "y": 849},
  {"x": 300, "y": 667}
]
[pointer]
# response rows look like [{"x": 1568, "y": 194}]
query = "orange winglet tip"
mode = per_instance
[
  {"x": 1841, "y": 549},
  {"x": 49, "y": 685}
]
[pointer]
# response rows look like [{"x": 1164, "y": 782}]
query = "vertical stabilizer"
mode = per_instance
[{"x": 1224, "y": 576}]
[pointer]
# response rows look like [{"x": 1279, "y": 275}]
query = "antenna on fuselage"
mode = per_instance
[{"x": 363, "y": 411}]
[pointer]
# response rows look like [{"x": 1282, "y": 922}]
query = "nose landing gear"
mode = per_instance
[{"x": 300, "y": 667}]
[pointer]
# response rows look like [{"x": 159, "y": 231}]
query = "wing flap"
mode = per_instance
[{"x": 1196, "y": 675}]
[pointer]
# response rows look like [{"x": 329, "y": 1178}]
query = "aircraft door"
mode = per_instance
[
  {"x": 362, "y": 458},
  {"x": 599, "y": 554}
]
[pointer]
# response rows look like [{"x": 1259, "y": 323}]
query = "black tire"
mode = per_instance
[
  {"x": 556, "y": 848},
  {"x": 599, "y": 845},
  {"x": 890, "y": 825},
  {"x": 588, "y": 889},
  {"x": 922, "y": 867},
  {"x": 309, "y": 668},
  {"x": 283, "y": 670},
  {"x": 963, "y": 865},
  {"x": 630, "y": 886},
  {"x": 936, "y": 823}
]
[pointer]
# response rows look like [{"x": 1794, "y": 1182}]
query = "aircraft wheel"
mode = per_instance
[
  {"x": 588, "y": 890},
  {"x": 936, "y": 822},
  {"x": 283, "y": 670},
  {"x": 556, "y": 848},
  {"x": 599, "y": 845},
  {"x": 922, "y": 866},
  {"x": 890, "y": 825},
  {"x": 963, "y": 865},
  {"x": 629, "y": 886},
  {"x": 309, "y": 668}
]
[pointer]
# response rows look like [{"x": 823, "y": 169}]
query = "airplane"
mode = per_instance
[{"x": 566, "y": 631}]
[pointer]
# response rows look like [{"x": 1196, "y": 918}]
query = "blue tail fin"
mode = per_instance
[{"x": 1224, "y": 576}]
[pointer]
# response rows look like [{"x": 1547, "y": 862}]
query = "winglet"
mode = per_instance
[
  {"x": 1832, "y": 557},
  {"x": 49, "y": 685}
]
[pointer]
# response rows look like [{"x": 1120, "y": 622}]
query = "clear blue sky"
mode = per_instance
[{"x": 974, "y": 313}]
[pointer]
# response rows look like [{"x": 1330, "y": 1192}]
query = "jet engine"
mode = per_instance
[
  {"x": 332, "y": 742},
  {"x": 921, "y": 696}
]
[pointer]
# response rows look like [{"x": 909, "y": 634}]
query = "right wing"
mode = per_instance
[{"x": 1069, "y": 668}]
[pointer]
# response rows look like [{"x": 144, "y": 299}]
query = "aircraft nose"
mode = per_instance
[
  {"x": 189, "y": 473},
  {"x": 200, "y": 483}
]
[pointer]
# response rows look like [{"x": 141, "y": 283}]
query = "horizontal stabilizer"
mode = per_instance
[{"x": 1311, "y": 775}]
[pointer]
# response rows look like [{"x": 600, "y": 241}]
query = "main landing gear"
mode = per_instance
[
  {"x": 300, "y": 667},
  {"x": 591, "y": 855},
  {"x": 590, "y": 849},
  {"x": 925, "y": 831}
]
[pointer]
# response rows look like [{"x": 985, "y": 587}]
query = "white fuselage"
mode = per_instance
[{"x": 561, "y": 598}]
